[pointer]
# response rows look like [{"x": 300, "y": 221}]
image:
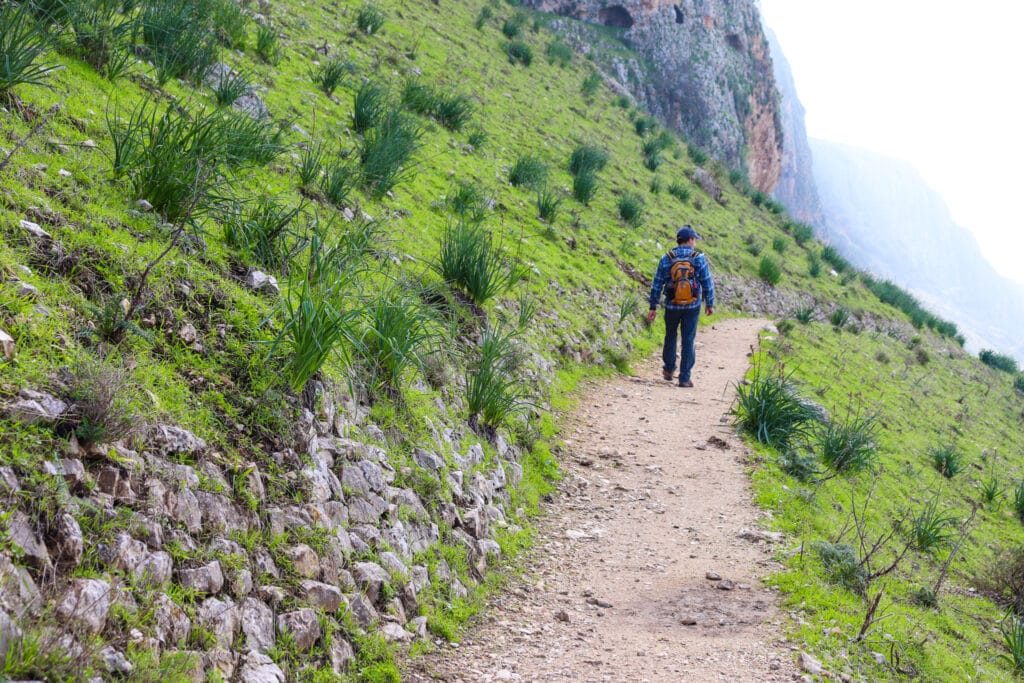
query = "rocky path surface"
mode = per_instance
[{"x": 648, "y": 560}]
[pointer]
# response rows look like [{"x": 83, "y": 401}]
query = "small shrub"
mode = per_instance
[
  {"x": 924, "y": 597},
  {"x": 769, "y": 409},
  {"x": 769, "y": 271},
  {"x": 548, "y": 203},
  {"x": 931, "y": 528},
  {"x": 98, "y": 399},
  {"x": 472, "y": 262},
  {"x": 1003, "y": 578},
  {"x": 528, "y": 171},
  {"x": 882, "y": 357},
  {"x": 369, "y": 106},
  {"x": 622, "y": 102},
  {"x": 779, "y": 245},
  {"x": 519, "y": 52},
  {"x": 644, "y": 125},
  {"x": 802, "y": 233},
  {"x": 998, "y": 361},
  {"x": 631, "y": 209},
  {"x": 696, "y": 154},
  {"x": 679, "y": 191},
  {"x": 848, "y": 446},
  {"x": 804, "y": 314},
  {"x": 839, "y": 317},
  {"x": 559, "y": 53},
  {"x": 948, "y": 461},
  {"x": 591, "y": 83},
  {"x": 229, "y": 87},
  {"x": 513, "y": 26},
  {"x": 842, "y": 566},
  {"x": 385, "y": 151},
  {"x": 329, "y": 75},
  {"x": 268, "y": 44},
  {"x": 370, "y": 18},
  {"x": 485, "y": 15},
  {"x": 587, "y": 158},
  {"x": 584, "y": 187},
  {"x": 922, "y": 356},
  {"x": 801, "y": 466}
]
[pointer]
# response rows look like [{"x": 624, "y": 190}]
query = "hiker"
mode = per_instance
[{"x": 685, "y": 278}]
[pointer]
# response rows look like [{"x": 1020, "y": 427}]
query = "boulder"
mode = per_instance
[
  {"x": 394, "y": 633},
  {"x": 366, "y": 509},
  {"x": 18, "y": 592},
  {"x": 302, "y": 625},
  {"x": 220, "y": 663},
  {"x": 68, "y": 543},
  {"x": 304, "y": 561},
  {"x": 427, "y": 460},
  {"x": 256, "y": 667},
  {"x": 86, "y": 604},
  {"x": 171, "y": 440},
  {"x": 208, "y": 579},
  {"x": 34, "y": 407},
  {"x": 22, "y": 534},
  {"x": 320, "y": 596},
  {"x": 341, "y": 655},
  {"x": 257, "y": 625},
  {"x": 362, "y": 610},
  {"x": 370, "y": 578}
]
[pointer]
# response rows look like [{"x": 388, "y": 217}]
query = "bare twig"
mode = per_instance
[
  {"x": 32, "y": 133},
  {"x": 869, "y": 617},
  {"x": 965, "y": 529}
]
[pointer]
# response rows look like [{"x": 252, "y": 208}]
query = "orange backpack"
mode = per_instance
[{"x": 683, "y": 286}]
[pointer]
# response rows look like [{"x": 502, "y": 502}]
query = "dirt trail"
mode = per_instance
[{"x": 655, "y": 500}]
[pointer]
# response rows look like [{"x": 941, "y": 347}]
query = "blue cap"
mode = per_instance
[{"x": 685, "y": 233}]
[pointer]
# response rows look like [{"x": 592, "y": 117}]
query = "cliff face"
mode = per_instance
[
  {"x": 708, "y": 73},
  {"x": 796, "y": 189}
]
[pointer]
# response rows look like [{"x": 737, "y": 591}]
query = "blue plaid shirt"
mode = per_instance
[{"x": 662, "y": 280}]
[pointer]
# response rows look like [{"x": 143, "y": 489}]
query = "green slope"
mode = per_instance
[{"x": 229, "y": 385}]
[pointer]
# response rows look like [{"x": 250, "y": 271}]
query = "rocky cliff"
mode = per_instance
[
  {"x": 796, "y": 189},
  {"x": 707, "y": 73}
]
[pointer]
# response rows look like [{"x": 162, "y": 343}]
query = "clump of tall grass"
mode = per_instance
[
  {"x": 397, "y": 332},
  {"x": 229, "y": 86},
  {"x": 584, "y": 187},
  {"x": 262, "y": 232},
  {"x": 386, "y": 150},
  {"x": 848, "y": 446},
  {"x": 519, "y": 52},
  {"x": 338, "y": 180},
  {"x": 528, "y": 171},
  {"x": 101, "y": 35},
  {"x": 631, "y": 209},
  {"x": 468, "y": 201},
  {"x": 769, "y": 271},
  {"x": 587, "y": 158},
  {"x": 832, "y": 256},
  {"x": 369, "y": 106},
  {"x": 991, "y": 490},
  {"x": 842, "y": 566},
  {"x": 330, "y": 73},
  {"x": 559, "y": 53},
  {"x": 1018, "y": 500},
  {"x": 179, "y": 38},
  {"x": 1012, "y": 630},
  {"x": 230, "y": 23},
  {"x": 1018, "y": 383},
  {"x": 679, "y": 191},
  {"x": 370, "y": 18},
  {"x": 931, "y": 528},
  {"x": 268, "y": 44},
  {"x": 948, "y": 461},
  {"x": 813, "y": 264},
  {"x": 802, "y": 233},
  {"x": 591, "y": 83},
  {"x": 311, "y": 164},
  {"x": 548, "y": 202},
  {"x": 472, "y": 262},
  {"x": 493, "y": 392},
  {"x": 771, "y": 411},
  {"x": 779, "y": 244},
  {"x": 513, "y": 26},
  {"x": 23, "y": 40},
  {"x": 839, "y": 317},
  {"x": 454, "y": 111},
  {"x": 804, "y": 314}
]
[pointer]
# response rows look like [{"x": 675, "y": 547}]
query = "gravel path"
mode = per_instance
[{"x": 648, "y": 560}]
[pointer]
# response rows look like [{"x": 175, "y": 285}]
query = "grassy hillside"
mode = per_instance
[{"x": 139, "y": 313}]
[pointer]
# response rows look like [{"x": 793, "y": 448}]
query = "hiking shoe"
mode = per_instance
[
  {"x": 687, "y": 384},
  {"x": 667, "y": 374}
]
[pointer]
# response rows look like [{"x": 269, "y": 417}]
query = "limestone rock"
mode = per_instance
[
  {"x": 362, "y": 610},
  {"x": 370, "y": 577},
  {"x": 86, "y": 604},
  {"x": 114, "y": 661},
  {"x": 257, "y": 625},
  {"x": 155, "y": 569},
  {"x": 321, "y": 596},
  {"x": 7, "y": 345},
  {"x": 427, "y": 460},
  {"x": 34, "y": 230},
  {"x": 220, "y": 662},
  {"x": 394, "y": 633},
  {"x": 222, "y": 618},
  {"x": 171, "y": 440},
  {"x": 257, "y": 667},
  {"x": 303, "y": 626},
  {"x": 171, "y": 625},
  {"x": 259, "y": 281},
  {"x": 34, "y": 407},
  {"x": 304, "y": 560},
  {"x": 810, "y": 664},
  {"x": 18, "y": 592},
  {"x": 208, "y": 579},
  {"x": 21, "y": 534},
  {"x": 341, "y": 655}
]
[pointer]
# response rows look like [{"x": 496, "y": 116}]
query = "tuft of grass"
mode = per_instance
[
  {"x": 802, "y": 233},
  {"x": 584, "y": 187},
  {"x": 311, "y": 164},
  {"x": 397, "y": 332},
  {"x": 229, "y": 87},
  {"x": 454, "y": 111},
  {"x": 485, "y": 15},
  {"x": 779, "y": 245},
  {"x": 513, "y": 26},
  {"x": 558, "y": 52},
  {"x": 386, "y": 150},
  {"x": 102, "y": 35},
  {"x": 548, "y": 202},
  {"x": 268, "y": 44},
  {"x": 1012, "y": 630},
  {"x": 369, "y": 106},
  {"x": 848, "y": 446},
  {"x": 469, "y": 202},
  {"x": 799, "y": 465},
  {"x": 370, "y": 18},
  {"x": 931, "y": 528},
  {"x": 842, "y": 565},
  {"x": 587, "y": 158},
  {"x": 472, "y": 262},
  {"x": 262, "y": 232},
  {"x": 948, "y": 461},
  {"x": 804, "y": 314},
  {"x": 329, "y": 75},
  {"x": 591, "y": 83},
  {"x": 180, "y": 39},
  {"x": 813, "y": 264},
  {"x": 629, "y": 306},
  {"x": 631, "y": 209},
  {"x": 528, "y": 171},
  {"x": 769, "y": 271},
  {"x": 519, "y": 52},
  {"x": 771, "y": 411},
  {"x": 337, "y": 182},
  {"x": 23, "y": 40},
  {"x": 493, "y": 393},
  {"x": 831, "y": 255},
  {"x": 1018, "y": 500},
  {"x": 839, "y": 317},
  {"x": 697, "y": 155},
  {"x": 679, "y": 191},
  {"x": 230, "y": 23},
  {"x": 1018, "y": 383}
]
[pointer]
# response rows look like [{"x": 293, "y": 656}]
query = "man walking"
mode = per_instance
[{"x": 684, "y": 277}]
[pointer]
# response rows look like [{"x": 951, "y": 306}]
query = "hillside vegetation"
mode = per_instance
[{"x": 279, "y": 390}]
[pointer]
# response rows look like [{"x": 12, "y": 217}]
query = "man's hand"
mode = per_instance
[
  {"x": 709, "y": 310},
  {"x": 652, "y": 314}
]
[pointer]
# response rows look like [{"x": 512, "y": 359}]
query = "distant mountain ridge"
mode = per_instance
[{"x": 881, "y": 214}]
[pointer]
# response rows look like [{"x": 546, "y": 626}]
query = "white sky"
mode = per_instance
[{"x": 935, "y": 82}]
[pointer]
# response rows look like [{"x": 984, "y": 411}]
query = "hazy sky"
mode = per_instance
[{"x": 934, "y": 82}]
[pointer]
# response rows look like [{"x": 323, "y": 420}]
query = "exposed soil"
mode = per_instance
[{"x": 654, "y": 505}]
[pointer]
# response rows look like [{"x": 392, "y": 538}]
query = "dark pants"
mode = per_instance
[{"x": 686, "y": 320}]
